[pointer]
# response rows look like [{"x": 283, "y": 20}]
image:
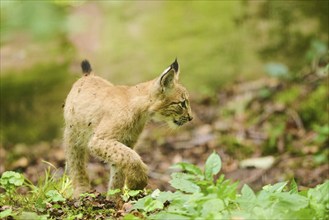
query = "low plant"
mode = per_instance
[
  {"x": 199, "y": 195},
  {"x": 49, "y": 189},
  {"x": 10, "y": 181}
]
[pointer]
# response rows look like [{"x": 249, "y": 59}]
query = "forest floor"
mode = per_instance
[{"x": 258, "y": 128}]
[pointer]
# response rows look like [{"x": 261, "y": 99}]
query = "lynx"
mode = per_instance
[{"x": 105, "y": 120}]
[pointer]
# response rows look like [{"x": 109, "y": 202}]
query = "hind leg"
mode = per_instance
[{"x": 76, "y": 159}]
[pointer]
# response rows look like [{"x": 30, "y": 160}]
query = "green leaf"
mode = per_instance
[
  {"x": 6, "y": 213},
  {"x": 32, "y": 215},
  {"x": 112, "y": 192},
  {"x": 293, "y": 202},
  {"x": 54, "y": 196},
  {"x": 148, "y": 204},
  {"x": 11, "y": 179},
  {"x": 248, "y": 198},
  {"x": 319, "y": 198},
  {"x": 133, "y": 193},
  {"x": 167, "y": 215},
  {"x": 131, "y": 217},
  {"x": 293, "y": 186},
  {"x": 91, "y": 195},
  {"x": 140, "y": 204},
  {"x": 155, "y": 194},
  {"x": 247, "y": 193},
  {"x": 184, "y": 185},
  {"x": 212, "y": 166},
  {"x": 190, "y": 168},
  {"x": 162, "y": 196},
  {"x": 152, "y": 205},
  {"x": 278, "y": 187},
  {"x": 211, "y": 207},
  {"x": 74, "y": 217},
  {"x": 185, "y": 176},
  {"x": 228, "y": 190}
]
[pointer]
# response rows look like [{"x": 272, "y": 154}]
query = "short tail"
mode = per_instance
[{"x": 86, "y": 67}]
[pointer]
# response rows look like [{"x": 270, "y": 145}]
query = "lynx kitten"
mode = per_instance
[{"x": 106, "y": 120}]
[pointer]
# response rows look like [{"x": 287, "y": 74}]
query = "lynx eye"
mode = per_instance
[{"x": 183, "y": 104}]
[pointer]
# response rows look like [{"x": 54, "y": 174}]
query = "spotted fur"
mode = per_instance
[{"x": 106, "y": 120}]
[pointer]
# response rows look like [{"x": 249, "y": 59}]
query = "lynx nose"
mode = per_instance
[{"x": 190, "y": 118}]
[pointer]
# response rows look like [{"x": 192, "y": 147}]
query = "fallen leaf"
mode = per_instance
[{"x": 260, "y": 162}]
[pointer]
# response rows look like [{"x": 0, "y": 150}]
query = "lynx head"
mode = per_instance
[{"x": 170, "y": 99}]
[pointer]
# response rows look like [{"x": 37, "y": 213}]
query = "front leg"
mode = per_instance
[
  {"x": 126, "y": 163},
  {"x": 117, "y": 180}
]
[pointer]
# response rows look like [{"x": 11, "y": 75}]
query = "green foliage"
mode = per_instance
[
  {"x": 127, "y": 194},
  {"x": 289, "y": 95},
  {"x": 272, "y": 199},
  {"x": 49, "y": 189},
  {"x": 183, "y": 182},
  {"x": 212, "y": 166},
  {"x": 112, "y": 192},
  {"x": 54, "y": 196},
  {"x": 31, "y": 215},
  {"x": 218, "y": 47},
  {"x": 319, "y": 200},
  {"x": 322, "y": 133},
  {"x": 49, "y": 197},
  {"x": 6, "y": 213},
  {"x": 314, "y": 110},
  {"x": 11, "y": 180},
  {"x": 198, "y": 197}
]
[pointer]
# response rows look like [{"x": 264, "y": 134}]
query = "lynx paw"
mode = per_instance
[{"x": 137, "y": 177}]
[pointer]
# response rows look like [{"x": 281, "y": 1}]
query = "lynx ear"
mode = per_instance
[
  {"x": 169, "y": 76},
  {"x": 175, "y": 67}
]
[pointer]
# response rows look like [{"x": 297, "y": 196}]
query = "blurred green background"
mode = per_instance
[{"x": 216, "y": 42}]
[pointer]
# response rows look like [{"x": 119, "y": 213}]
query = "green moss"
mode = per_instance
[
  {"x": 288, "y": 96},
  {"x": 235, "y": 147},
  {"x": 314, "y": 109}
]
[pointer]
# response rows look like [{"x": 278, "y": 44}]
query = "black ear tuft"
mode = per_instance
[
  {"x": 86, "y": 67},
  {"x": 175, "y": 65}
]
